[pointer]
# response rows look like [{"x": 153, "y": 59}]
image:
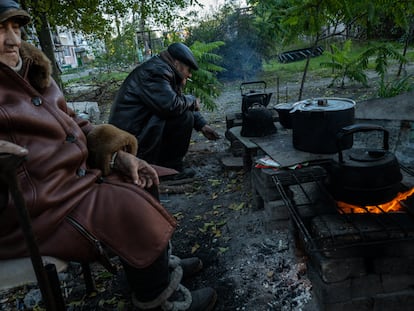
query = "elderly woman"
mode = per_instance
[{"x": 83, "y": 186}]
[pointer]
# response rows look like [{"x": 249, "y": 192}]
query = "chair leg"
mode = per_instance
[
  {"x": 55, "y": 286},
  {"x": 87, "y": 275},
  {"x": 8, "y": 175}
]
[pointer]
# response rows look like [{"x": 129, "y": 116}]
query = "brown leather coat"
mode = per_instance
[{"x": 74, "y": 209}]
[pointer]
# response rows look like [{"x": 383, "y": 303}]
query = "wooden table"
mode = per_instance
[{"x": 278, "y": 146}]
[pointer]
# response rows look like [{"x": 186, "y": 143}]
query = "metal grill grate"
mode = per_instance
[{"x": 321, "y": 224}]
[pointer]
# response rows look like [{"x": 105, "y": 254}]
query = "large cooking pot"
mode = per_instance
[
  {"x": 315, "y": 123},
  {"x": 364, "y": 176}
]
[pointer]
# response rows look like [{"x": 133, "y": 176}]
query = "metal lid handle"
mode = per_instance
[{"x": 355, "y": 128}]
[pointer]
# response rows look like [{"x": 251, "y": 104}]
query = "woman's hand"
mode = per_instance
[
  {"x": 142, "y": 174},
  {"x": 10, "y": 148}
]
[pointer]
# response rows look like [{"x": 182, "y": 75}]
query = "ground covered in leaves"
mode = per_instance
[{"x": 252, "y": 263}]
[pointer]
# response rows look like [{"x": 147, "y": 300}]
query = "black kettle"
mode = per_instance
[
  {"x": 257, "y": 119},
  {"x": 364, "y": 176}
]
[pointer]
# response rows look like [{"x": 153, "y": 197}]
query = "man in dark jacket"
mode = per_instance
[{"x": 151, "y": 105}]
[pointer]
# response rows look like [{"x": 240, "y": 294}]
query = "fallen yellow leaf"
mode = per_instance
[
  {"x": 195, "y": 247},
  {"x": 237, "y": 207}
]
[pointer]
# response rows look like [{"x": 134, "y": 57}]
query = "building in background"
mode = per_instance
[{"x": 71, "y": 50}]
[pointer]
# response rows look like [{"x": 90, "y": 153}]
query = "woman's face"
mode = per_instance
[{"x": 10, "y": 42}]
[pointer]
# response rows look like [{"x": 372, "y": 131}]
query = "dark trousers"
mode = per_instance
[
  {"x": 148, "y": 283},
  {"x": 173, "y": 145}
]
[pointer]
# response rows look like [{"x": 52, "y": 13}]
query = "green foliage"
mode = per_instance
[
  {"x": 122, "y": 50},
  {"x": 383, "y": 53},
  {"x": 395, "y": 87},
  {"x": 345, "y": 65},
  {"x": 292, "y": 71},
  {"x": 204, "y": 82},
  {"x": 293, "y": 19},
  {"x": 98, "y": 16},
  {"x": 314, "y": 21},
  {"x": 82, "y": 16}
]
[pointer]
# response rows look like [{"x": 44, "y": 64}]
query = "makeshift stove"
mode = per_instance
[{"x": 360, "y": 258}]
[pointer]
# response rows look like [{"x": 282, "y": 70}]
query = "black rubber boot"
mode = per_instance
[
  {"x": 191, "y": 266},
  {"x": 204, "y": 299},
  {"x": 185, "y": 173}
]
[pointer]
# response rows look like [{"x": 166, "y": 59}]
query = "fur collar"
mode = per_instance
[{"x": 37, "y": 66}]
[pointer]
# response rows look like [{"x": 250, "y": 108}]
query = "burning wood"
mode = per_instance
[{"x": 389, "y": 207}]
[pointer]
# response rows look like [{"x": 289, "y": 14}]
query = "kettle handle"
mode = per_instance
[
  {"x": 244, "y": 91},
  {"x": 354, "y": 128}
]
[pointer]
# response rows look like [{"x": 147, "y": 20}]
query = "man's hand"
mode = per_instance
[
  {"x": 142, "y": 174},
  {"x": 8, "y": 147},
  {"x": 197, "y": 104},
  {"x": 209, "y": 132}
]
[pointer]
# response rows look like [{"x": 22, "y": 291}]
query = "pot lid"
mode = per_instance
[
  {"x": 284, "y": 106},
  {"x": 324, "y": 104}
]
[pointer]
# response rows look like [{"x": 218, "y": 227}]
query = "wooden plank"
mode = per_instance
[
  {"x": 246, "y": 141},
  {"x": 280, "y": 148}
]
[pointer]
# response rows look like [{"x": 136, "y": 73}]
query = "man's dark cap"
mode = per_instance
[
  {"x": 10, "y": 9},
  {"x": 183, "y": 53}
]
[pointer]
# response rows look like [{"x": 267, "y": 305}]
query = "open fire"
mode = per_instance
[{"x": 388, "y": 207}]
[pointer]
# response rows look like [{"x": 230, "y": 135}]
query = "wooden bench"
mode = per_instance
[{"x": 250, "y": 148}]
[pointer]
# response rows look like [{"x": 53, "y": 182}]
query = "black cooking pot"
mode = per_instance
[
  {"x": 364, "y": 176},
  {"x": 285, "y": 118},
  {"x": 315, "y": 123}
]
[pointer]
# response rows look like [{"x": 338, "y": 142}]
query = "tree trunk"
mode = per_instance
[
  {"x": 408, "y": 38},
  {"x": 45, "y": 39},
  {"x": 302, "y": 83},
  {"x": 46, "y": 43},
  {"x": 145, "y": 35}
]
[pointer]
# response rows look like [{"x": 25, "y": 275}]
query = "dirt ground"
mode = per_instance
[{"x": 252, "y": 263}]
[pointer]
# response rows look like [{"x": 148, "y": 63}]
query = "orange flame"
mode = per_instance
[{"x": 389, "y": 207}]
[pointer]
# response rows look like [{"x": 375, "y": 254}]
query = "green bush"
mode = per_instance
[{"x": 395, "y": 87}]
